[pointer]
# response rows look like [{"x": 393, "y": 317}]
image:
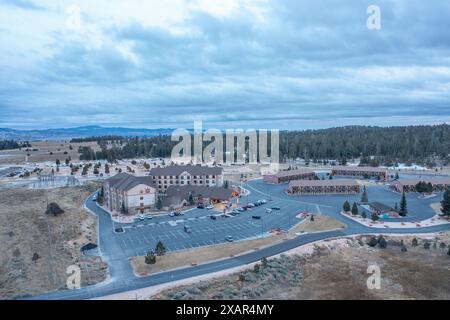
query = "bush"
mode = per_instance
[
  {"x": 415, "y": 242},
  {"x": 256, "y": 268},
  {"x": 427, "y": 245},
  {"x": 373, "y": 242},
  {"x": 382, "y": 243},
  {"x": 54, "y": 208},
  {"x": 150, "y": 258}
]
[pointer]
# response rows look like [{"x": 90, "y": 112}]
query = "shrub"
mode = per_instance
[
  {"x": 415, "y": 242},
  {"x": 373, "y": 242},
  {"x": 150, "y": 258},
  {"x": 382, "y": 243},
  {"x": 427, "y": 245},
  {"x": 54, "y": 208},
  {"x": 256, "y": 268}
]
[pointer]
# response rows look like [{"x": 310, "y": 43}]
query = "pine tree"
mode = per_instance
[
  {"x": 375, "y": 217},
  {"x": 364, "y": 215},
  {"x": 354, "y": 209},
  {"x": 364, "y": 197},
  {"x": 150, "y": 258},
  {"x": 446, "y": 204},
  {"x": 403, "y": 206},
  {"x": 159, "y": 203},
  {"x": 415, "y": 242},
  {"x": 346, "y": 206},
  {"x": 160, "y": 249}
]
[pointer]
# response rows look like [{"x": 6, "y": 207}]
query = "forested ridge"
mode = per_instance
[{"x": 428, "y": 145}]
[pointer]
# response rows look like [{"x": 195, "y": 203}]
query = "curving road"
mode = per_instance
[{"x": 121, "y": 277}]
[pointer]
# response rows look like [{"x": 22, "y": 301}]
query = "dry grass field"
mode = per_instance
[
  {"x": 337, "y": 269},
  {"x": 46, "y": 151},
  {"x": 201, "y": 255},
  {"x": 26, "y": 231}
]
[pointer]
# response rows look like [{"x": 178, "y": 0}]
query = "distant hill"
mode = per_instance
[{"x": 78, "y": 132}]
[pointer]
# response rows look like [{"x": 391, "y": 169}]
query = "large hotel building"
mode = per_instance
[{"x": 197, "y": 175}]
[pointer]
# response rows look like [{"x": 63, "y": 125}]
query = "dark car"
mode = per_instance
[
  {"x": 276, "y": 208},
  {"x": 213, "y": 217},
  {"x": 256, "y": 217},
  {"x": 201, "y": 206}
]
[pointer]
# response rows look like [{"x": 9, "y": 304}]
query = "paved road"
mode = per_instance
[{"x": 117, "y": 255}]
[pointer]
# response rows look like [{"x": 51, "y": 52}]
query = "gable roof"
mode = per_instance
[
  {"x": 288, "y": 173},
  {"x": 177, "y": 170},
  {"x": 125, "y": 182}
]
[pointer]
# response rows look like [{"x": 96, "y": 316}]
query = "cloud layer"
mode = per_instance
[{"x": 279, "y": 64}]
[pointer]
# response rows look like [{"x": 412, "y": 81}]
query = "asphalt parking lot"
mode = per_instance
[{"x": 141, "y": 236}]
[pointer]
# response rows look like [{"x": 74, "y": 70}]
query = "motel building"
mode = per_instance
[
  {"x": 360, "y": 172},
  {"x": 136, "y": 194},
  {"x": 409, "y": 185},
  {"x": 288, "y": 175},
  {"x": 337, "y": 186}
]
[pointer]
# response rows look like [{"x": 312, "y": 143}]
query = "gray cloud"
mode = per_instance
[
  {"x": 23, "y": 4},
  {"x": 306, "y": 64}
]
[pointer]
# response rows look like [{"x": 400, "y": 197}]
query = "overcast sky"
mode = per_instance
[{"x": 286, "y": 64}]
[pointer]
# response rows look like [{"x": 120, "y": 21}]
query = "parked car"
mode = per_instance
[
  {"x": 201, "y": 206},
  {"x": 263, "y": 201},
  {"x": 149, "y": 217},
  {"x": 94, "y": 198},
  {"x": 236, "y": 211},
  {"x": 256, "y": 217},
  {"x": 187, "y": 229},
  {"x": 276, "y": 208},
  {"x": 240, "y": 209},
  {"x": 251, "y": 205},
  {"x": 141, "y": 217},
  {"x": 229, "y": 238},
  {"x": 172, "y": 214},
  {"x": 268, "y": 210},
  {"x": 213, "y": 217},
  {"x": 210, "y": 207}
]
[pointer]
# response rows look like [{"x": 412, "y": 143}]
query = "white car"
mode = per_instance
[
  {"x": 210, "y": 207},
  {"x": 268, "y": 210},
  {"x": 141, "y": 217}
]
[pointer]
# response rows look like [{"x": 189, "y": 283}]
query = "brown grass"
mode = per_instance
[
  {"x": 43, "y": 154},
  {"x": 336, "y": 269},
  {"x": 25, "y": 229}
]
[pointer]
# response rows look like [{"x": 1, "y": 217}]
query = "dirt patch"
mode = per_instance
[
  {"x": 37, "y": 248},
  {"x": 337, "y": 269},
  {"x": 201, "y": 255}
]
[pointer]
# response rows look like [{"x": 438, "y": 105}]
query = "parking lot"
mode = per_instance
[{"x": 141, "y": 236}]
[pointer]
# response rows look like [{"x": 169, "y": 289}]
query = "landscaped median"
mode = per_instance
[
  {"x": 201, "y": 255},
  {"x": 431, "y": 222}
]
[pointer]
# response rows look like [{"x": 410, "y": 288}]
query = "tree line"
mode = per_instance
[
  {"x": 425, "y": 145},
  {"x": 11, "y": 144}
]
